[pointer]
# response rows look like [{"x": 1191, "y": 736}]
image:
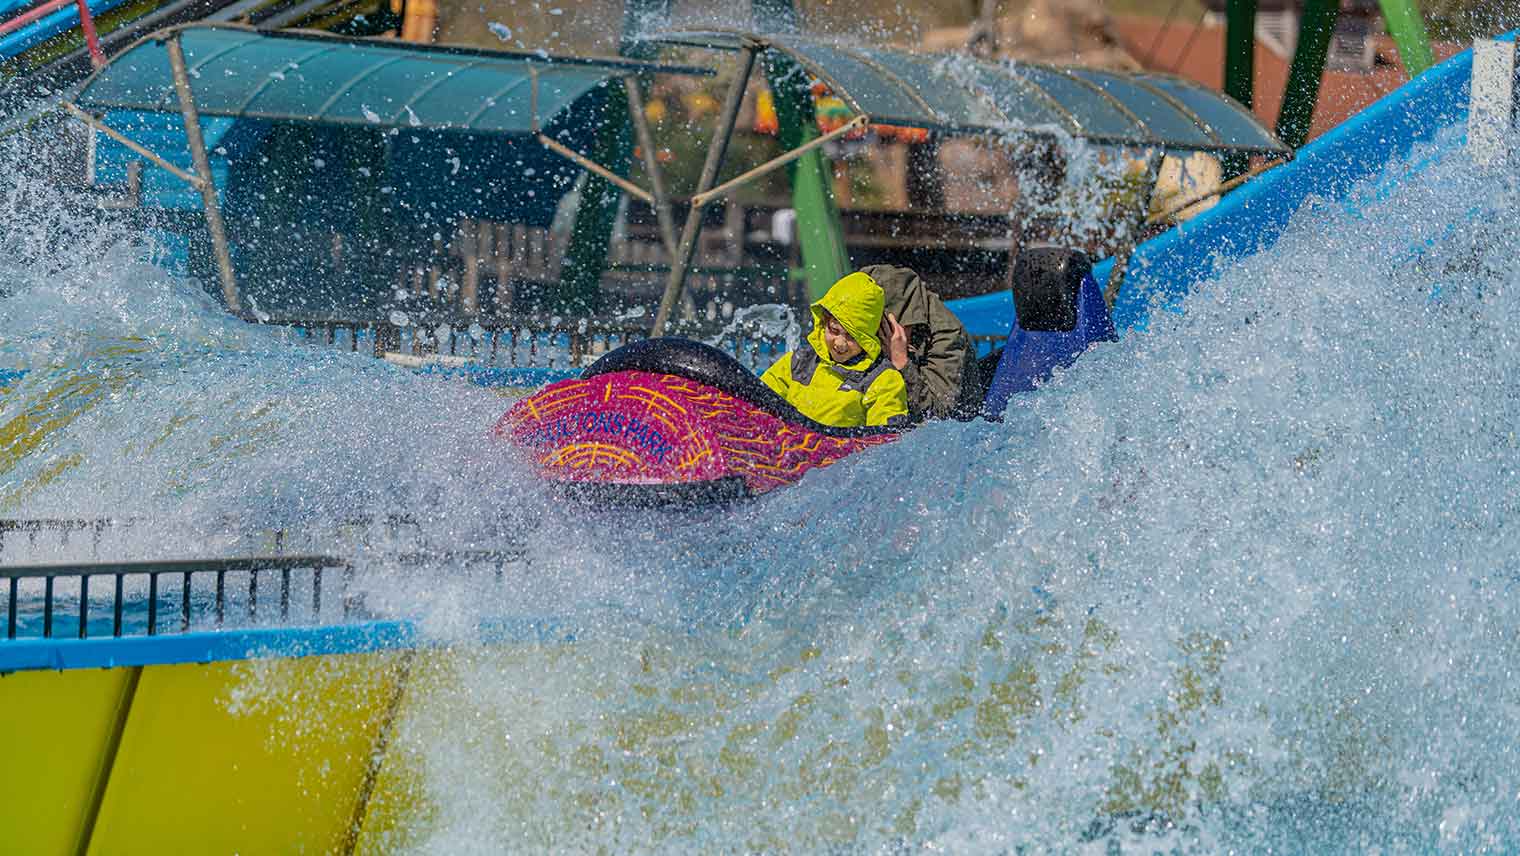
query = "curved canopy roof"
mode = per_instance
[
  {"x": 317, "y": 77},
  {"x": 960, "y": 94}
]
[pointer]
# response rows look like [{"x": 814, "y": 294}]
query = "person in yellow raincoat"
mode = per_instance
[{"x": 840, "y": 376}]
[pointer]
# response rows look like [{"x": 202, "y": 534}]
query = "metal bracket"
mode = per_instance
[
  {"x": 1491, "y": 115},
  {"x": 590, "y": 165},
  {"x": 131, "y": 195}
]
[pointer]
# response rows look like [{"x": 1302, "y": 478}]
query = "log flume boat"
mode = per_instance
[{"x": 675, "y": 421}]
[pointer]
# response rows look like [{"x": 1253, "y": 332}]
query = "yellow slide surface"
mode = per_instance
[{"x": 254, "y": 756}]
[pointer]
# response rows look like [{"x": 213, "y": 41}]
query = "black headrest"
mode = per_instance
[{"x": 1046, "y": 283}]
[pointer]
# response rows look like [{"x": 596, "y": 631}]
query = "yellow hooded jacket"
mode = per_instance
[{"x": 865, "y": 391}]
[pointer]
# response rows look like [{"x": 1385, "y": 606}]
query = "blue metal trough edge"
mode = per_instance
[{"x": 19, "y": 655}]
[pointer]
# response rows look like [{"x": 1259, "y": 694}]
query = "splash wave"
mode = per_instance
[{"x": 1244, "y": 580}]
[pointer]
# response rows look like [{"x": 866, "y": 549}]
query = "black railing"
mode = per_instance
[{"x": 183, "y": 573}]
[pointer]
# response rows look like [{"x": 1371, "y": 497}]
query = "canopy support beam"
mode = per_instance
[
  {"x": 724, "y": 132},
  {"x": 95, "y": 124},
  {"x": 592, "y": 166},
  {"x": 778, "y": 162},
  {"x": 661, "y": 201},
  {"x": 209, "y": 202}
]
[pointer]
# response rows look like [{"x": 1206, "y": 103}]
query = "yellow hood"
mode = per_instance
[{"x": 857, "y": 301}]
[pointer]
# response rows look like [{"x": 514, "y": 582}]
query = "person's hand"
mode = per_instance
[{"x": 894, "y": 340}]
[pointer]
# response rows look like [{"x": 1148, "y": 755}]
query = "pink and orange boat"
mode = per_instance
[
  {"x": 670, "y": 420},
  {"x": 675, "y": 421}
]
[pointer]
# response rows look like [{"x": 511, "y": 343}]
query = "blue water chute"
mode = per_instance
[{"x": 1058, "y": 312}]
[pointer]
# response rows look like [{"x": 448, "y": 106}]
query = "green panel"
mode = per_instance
[
  {"x": 55, "y": 727},
  {"x": 820, "y": 231},
  {"x": 1308, "y": 69},
  {"x": 1407, "y": 27},
  {"x": 596, "y": 215},
  {"x": 1239, "y": 64},
  {"x": 262, "y": 756}
]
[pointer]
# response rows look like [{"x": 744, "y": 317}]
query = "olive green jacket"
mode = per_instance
[{"x": 942, "y": 376}]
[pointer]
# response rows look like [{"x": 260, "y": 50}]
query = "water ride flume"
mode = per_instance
[
  {"x": 319, "y": 767},
  {"x": 658, "y": 417}
]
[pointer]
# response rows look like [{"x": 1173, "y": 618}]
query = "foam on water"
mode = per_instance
[{"x": 1244, "y": 581}]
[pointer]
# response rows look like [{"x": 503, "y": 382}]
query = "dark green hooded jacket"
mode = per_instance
[{"x": 942, "y": 376}]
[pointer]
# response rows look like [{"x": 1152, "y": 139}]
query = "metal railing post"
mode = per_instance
[{"x": 91, "y": 40}]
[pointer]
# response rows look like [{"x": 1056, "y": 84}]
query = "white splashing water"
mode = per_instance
[{"x": 1247, "y": 580}]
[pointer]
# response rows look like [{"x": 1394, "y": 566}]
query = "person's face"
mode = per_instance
[{"x": 842, "y": 348}]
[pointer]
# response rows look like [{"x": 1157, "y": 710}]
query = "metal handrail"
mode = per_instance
[
  {"x": 185, "y": 569},
  {"x": 86, "y": 24}
]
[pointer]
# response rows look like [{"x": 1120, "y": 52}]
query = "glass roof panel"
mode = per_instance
[
  {"x": 879, "y": 96},
  {"x": 965, "y": 95},
  {"x": 950, "y": 84},
  {"x": 1095, "y": 115},
  {"x": 1024, "y": 105},
  {"x": 1165, "y": 121},
  {"x": 1235, "y": 127}
]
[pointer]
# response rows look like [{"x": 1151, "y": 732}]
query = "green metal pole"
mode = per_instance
[
  {"x": 580, "y": 277},
  {"x": 1407, "y": 27},
  {"x": 1239, "y": 64},
  {"x": 596, "y": 215},
  {"x": 820, "y": 230},
  {"x": 1308, "y": 69},
  {"x": 1240, "y": 50}
]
